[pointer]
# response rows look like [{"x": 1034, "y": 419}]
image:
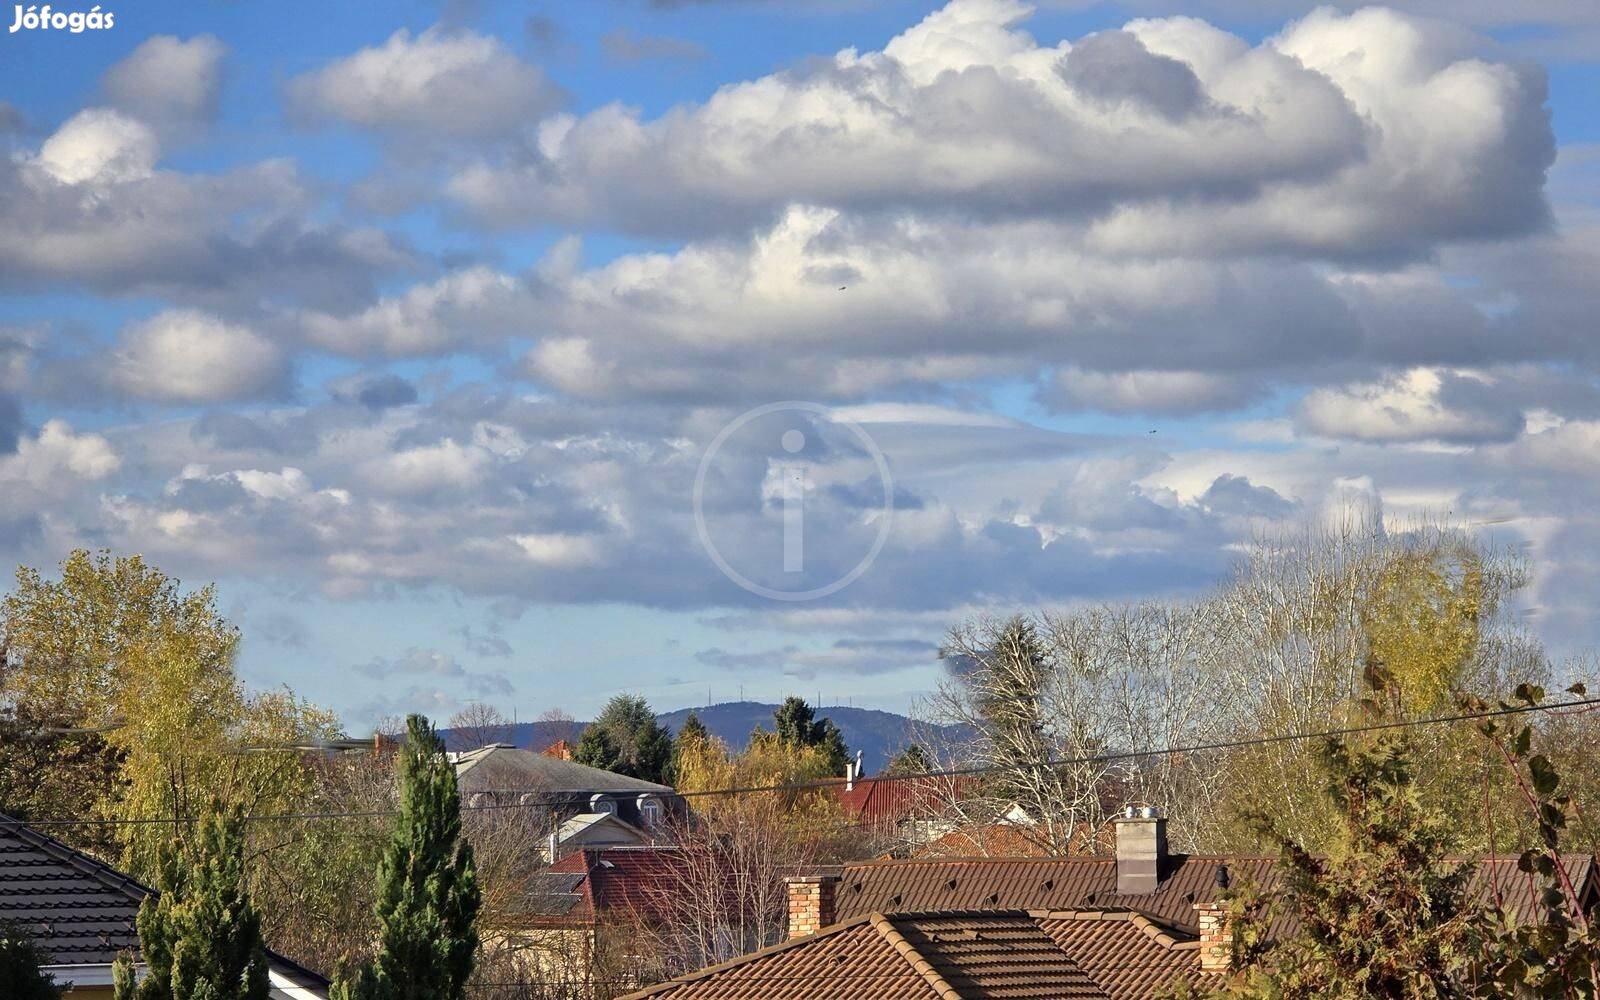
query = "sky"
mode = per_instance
[{"x": 533, "y": 354}]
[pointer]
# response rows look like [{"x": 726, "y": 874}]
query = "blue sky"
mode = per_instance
[{"x": 411, "y": 324}]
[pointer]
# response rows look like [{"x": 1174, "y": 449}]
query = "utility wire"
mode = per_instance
[{"x": 558, "y": 797}]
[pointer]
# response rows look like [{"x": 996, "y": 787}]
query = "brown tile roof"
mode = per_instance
[
  {"x": 1079, "y": 883},
  {"x": 955, "y": 955},
  {"x": 1115, "y": 948},
  {"x": 1091, "y": 883}
]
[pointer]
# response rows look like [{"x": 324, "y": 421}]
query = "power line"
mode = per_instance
[{"x": 558, "y": 797}]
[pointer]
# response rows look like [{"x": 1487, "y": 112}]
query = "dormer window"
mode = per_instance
[{"x": 650, "y": 811}]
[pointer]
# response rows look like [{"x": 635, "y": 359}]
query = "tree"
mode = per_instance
[
  {"x": 912, "y": 760},
  {"x": 479, "y": 725},
  {"x": 140, "y": 673},
  {"x": 428, "y": 896},
  {"x": 692, "y": 736},
  {"x": 1024, "y": 709},
  {"x": 1558, "y": 955},
  {"x": 21, "y": 960},
  {"x": 559, "y": 726},
  {"x": 727, "y": 896},
  {"x": 1278, "y": 649},
  {"x": 1386, "y": 916},
  {"x": 796, "y": 724},
  {"x": 200, "y": 936},
  {"x": 626, "y": 738}
]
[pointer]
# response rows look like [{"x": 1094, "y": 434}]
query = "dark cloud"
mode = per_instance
[
  {"x": 1114, "y": 67},
  {"x": 377, "y": 392},
  {"x": 624, "y": 46},
  {"x": 1236, "y": 496}
]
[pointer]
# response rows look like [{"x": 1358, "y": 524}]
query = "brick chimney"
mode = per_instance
[
  {"x": 810, "y": 903},
  {"x": 1216, "y": 937},
  {"x": 1141, "y": 850}
]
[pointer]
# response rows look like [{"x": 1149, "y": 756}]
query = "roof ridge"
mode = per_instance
[
  {"x": 771, "y": 949},
  {"x": 914, "y": 958},
  {"x": 122, "y": 882}
]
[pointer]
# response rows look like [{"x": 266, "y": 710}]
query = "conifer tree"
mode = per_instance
[
  {"x": 913, "y": 759},
  {"x": 797, "y": 725},
  {"x": 428, "y": 895},
  {"x": 626, "y": 738},
  {"x": 21, "y": 975},
  {"x": 692, "y": 736},
  {"x": 199, "y": 935}
]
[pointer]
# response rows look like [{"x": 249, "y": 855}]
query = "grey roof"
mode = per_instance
[
  {"x": 500, "y": 767},
  {"x": 553, "y": 894},
  {"x": 81, "y": 911}
]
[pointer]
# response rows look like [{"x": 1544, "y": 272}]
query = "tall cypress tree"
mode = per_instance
[
  {"x": 428, "y": 893},
  {"x": 200, "y": 936}
]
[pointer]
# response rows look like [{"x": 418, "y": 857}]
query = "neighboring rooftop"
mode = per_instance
[
  {"x": 957, "y": 955},
  {"x": 502, "y": 767},
  {"x": 1091, "y": 883},
  {"x": 588, "y": 882},
  {"x": 886, "y": 801},
  {"x": 81, "y": 911}
]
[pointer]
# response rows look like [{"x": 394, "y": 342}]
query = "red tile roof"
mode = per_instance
[
  {"x": 588, "y": 883},
  {"x": 886, "y": 801},
  {"x": 1017, "y": 955}
]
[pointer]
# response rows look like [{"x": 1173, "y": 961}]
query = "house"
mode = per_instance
[
  {"x": 1127, "y": 926},
  {"x": 590, "y": 830},
  {"x": 1141, "y": 876},
  {"x": 555, "y": 789},
  {"x": 81, "y": 912},
  {"x": 580, "y": 915},
  {"x": 955, "y": 954},
  {"x": 912, "y": 809}
]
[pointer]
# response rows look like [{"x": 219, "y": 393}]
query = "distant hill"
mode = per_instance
[{"x": 878, "y": 735}]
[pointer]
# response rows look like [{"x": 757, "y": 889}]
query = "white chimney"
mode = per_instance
[
  {"x": 554, "y": 846},
  {"x": 1141, "y": 850}
]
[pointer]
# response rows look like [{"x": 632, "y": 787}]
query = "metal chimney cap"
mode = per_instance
[{"x": 1141, "y": 812}]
